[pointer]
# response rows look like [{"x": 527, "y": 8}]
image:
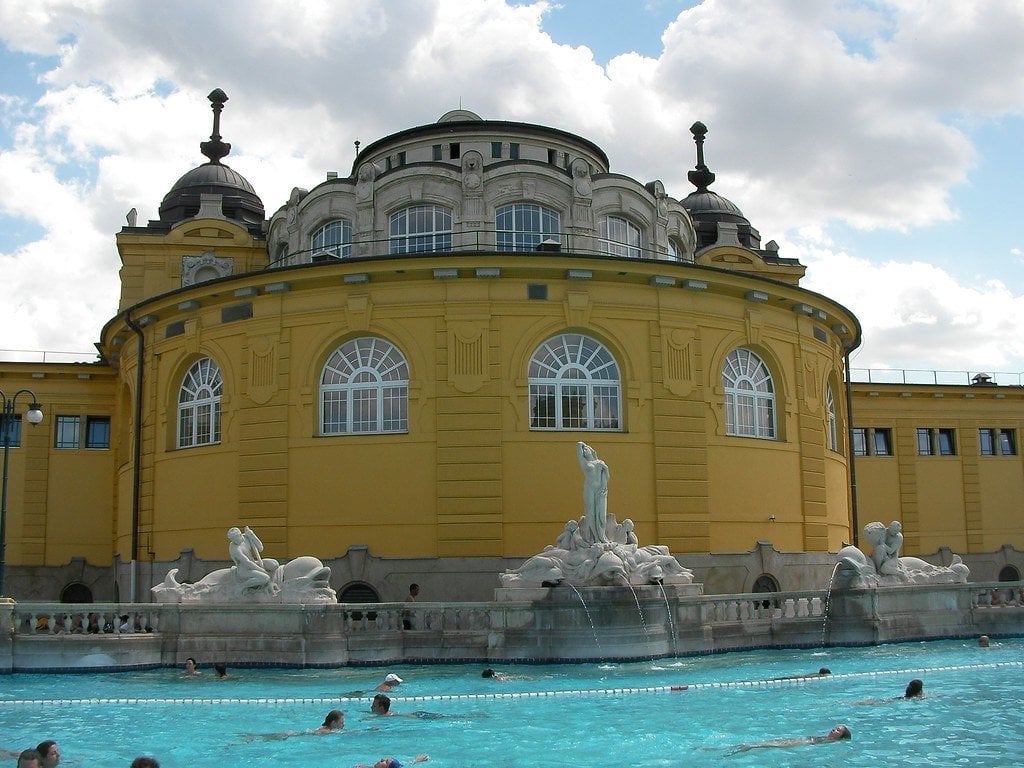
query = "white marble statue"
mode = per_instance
[
  {"x": 597, "y": 549},
  {"x": 253, "y": 578},
  {"x": 885, "y": 567},
  {"x": 595, "y": 493}
]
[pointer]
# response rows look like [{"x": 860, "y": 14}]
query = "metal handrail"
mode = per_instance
[{"x": 470, "y": 241}]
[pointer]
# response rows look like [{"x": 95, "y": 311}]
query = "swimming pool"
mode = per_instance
[{"x": 670, "y": 712}]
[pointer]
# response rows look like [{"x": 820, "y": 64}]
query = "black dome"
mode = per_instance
[
  {"x": 240, "y": 201},
  {"x": 705, "y": 205}
]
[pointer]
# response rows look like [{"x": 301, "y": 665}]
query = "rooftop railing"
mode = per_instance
[
  {"x": 470, "y": 241},
  {"x": 914, "y": 376}
]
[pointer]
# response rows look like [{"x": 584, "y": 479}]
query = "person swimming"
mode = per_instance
[{"x": 839, "y": 733}]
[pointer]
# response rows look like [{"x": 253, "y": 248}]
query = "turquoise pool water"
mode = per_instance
[{"x": 678, "y": 712}]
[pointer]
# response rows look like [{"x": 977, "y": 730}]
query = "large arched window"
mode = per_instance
[
  {"x": 749, "y": 396},
  {"x": 333, "y": 238},
  {"x": 364, "y": 389},
  {"x": 574, "y": 385},
  {"x": 522, "y": 226},
  {"x": 619, "y": 237},
  {"x": 199, "y": 405},
  {"x": 421, "y": 229},
  {"x": 830, "y": 409}
]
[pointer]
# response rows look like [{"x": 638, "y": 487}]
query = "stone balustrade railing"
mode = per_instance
[{"x": 613, "y": 624}]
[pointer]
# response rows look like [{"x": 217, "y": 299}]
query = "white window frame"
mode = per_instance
[
  {"x": 833, "y": 425},
  {"x": 364, "y": 389},
  {"x": 420, "y": 229},
  {"x": 334, "y": 237},
  {"x": 522, "y": 227},
  {"x": 574, "y": 385},
  {"x": 619, "y": 236},
  {"x": 749, "y": 395},
  {"x": 199, "y": 409}
]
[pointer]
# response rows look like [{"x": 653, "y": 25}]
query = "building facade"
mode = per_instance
[{"x": 399, "y": 362}]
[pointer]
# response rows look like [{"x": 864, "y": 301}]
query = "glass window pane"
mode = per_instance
[
  {"x": 67, "y": 432},
  {"x": 1007, "y": 442},
  {"x": 97, "y": 432},
  {"x": 574, "y": 385},
  {"x": 924, "y": 442},
  {"x": 986, "y": 442},
  {"x": 860, "y": 442},
  {"x": 883, "y": 442}
]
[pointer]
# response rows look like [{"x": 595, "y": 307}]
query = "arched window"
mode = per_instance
[
  {"x": 333, "y": 238},
  {"x": 619, "y": 237},
  {"x": 421, "y": 229},
  {"x": 830, "y": 407},
  {"x": 364, "y": 389},
  {"x": 749, "y": 396},
  {"x": 199, "y": 405},
  {"x": 574, "y": 385},
  {"x": 522, "y": 226}
]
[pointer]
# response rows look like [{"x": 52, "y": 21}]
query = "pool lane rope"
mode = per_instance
[{"x": 332, "y": 700}]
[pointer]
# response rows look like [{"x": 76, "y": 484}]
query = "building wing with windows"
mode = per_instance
[{"x": 403, "y": 358}]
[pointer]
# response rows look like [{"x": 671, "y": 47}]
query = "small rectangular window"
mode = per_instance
[
  {"x": 401, "y": 158},
  {"x": 97, "y": 432},
  {"x": 513, "y": 151},
  {"x": 495, "y": 149},
  {"x": 997, "y": 442},
  {"x": 987, "y": 442},
  {"x": 436, "y": 151},
  {"x": 924, "y": 442},
  {"x": 13, "y": 429},
  {"x": 860, "y": 442},
  {"x": 552, "y": 157},
  {"x": 946, "y": 442},
  {"x": 454, "y": 151},
  {"x": 67, "y": 432},
  {"x": 882, "y": 442},
  {"x": 536, "y": 291}
]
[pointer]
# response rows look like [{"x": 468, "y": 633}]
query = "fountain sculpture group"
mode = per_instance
[
  {"x": 886, "y": 568},
  {"x": 253, "y": 578},
  {"x": 597, "y": 550}
]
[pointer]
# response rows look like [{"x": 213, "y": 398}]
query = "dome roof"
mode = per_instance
[
  {"x": 239, "y": 200},
  {"x": 705, "y": 205}
]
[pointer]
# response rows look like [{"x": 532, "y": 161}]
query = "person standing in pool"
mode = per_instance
[{"x": 30, "y": 759}]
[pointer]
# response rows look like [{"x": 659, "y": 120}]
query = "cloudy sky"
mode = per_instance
[{"x": 881, "y": 143}]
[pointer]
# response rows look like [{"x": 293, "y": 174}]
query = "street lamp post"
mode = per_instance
[{"x": 33, "y": 416}]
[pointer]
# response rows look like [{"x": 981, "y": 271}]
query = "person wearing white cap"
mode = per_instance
[{"x": 391, "y": 680}]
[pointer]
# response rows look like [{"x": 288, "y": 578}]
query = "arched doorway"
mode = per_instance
[
  {"x": 766, "y": 583},
  {"x": 76, "y": 592}
]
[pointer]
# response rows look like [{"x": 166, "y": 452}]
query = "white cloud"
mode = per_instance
[{"x": 818, "y": 112}]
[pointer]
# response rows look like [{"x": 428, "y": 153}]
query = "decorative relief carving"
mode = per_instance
[
  {"x": 577, "y": 308},
  {"x": 467, "y": 356},
  {"x": 262, "y": 370},
  {"x": 199, "y": 269},
  {"x": 677, "y": 356}
]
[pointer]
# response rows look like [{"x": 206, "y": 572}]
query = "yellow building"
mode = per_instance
[{"x": 400, "y": 361}]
